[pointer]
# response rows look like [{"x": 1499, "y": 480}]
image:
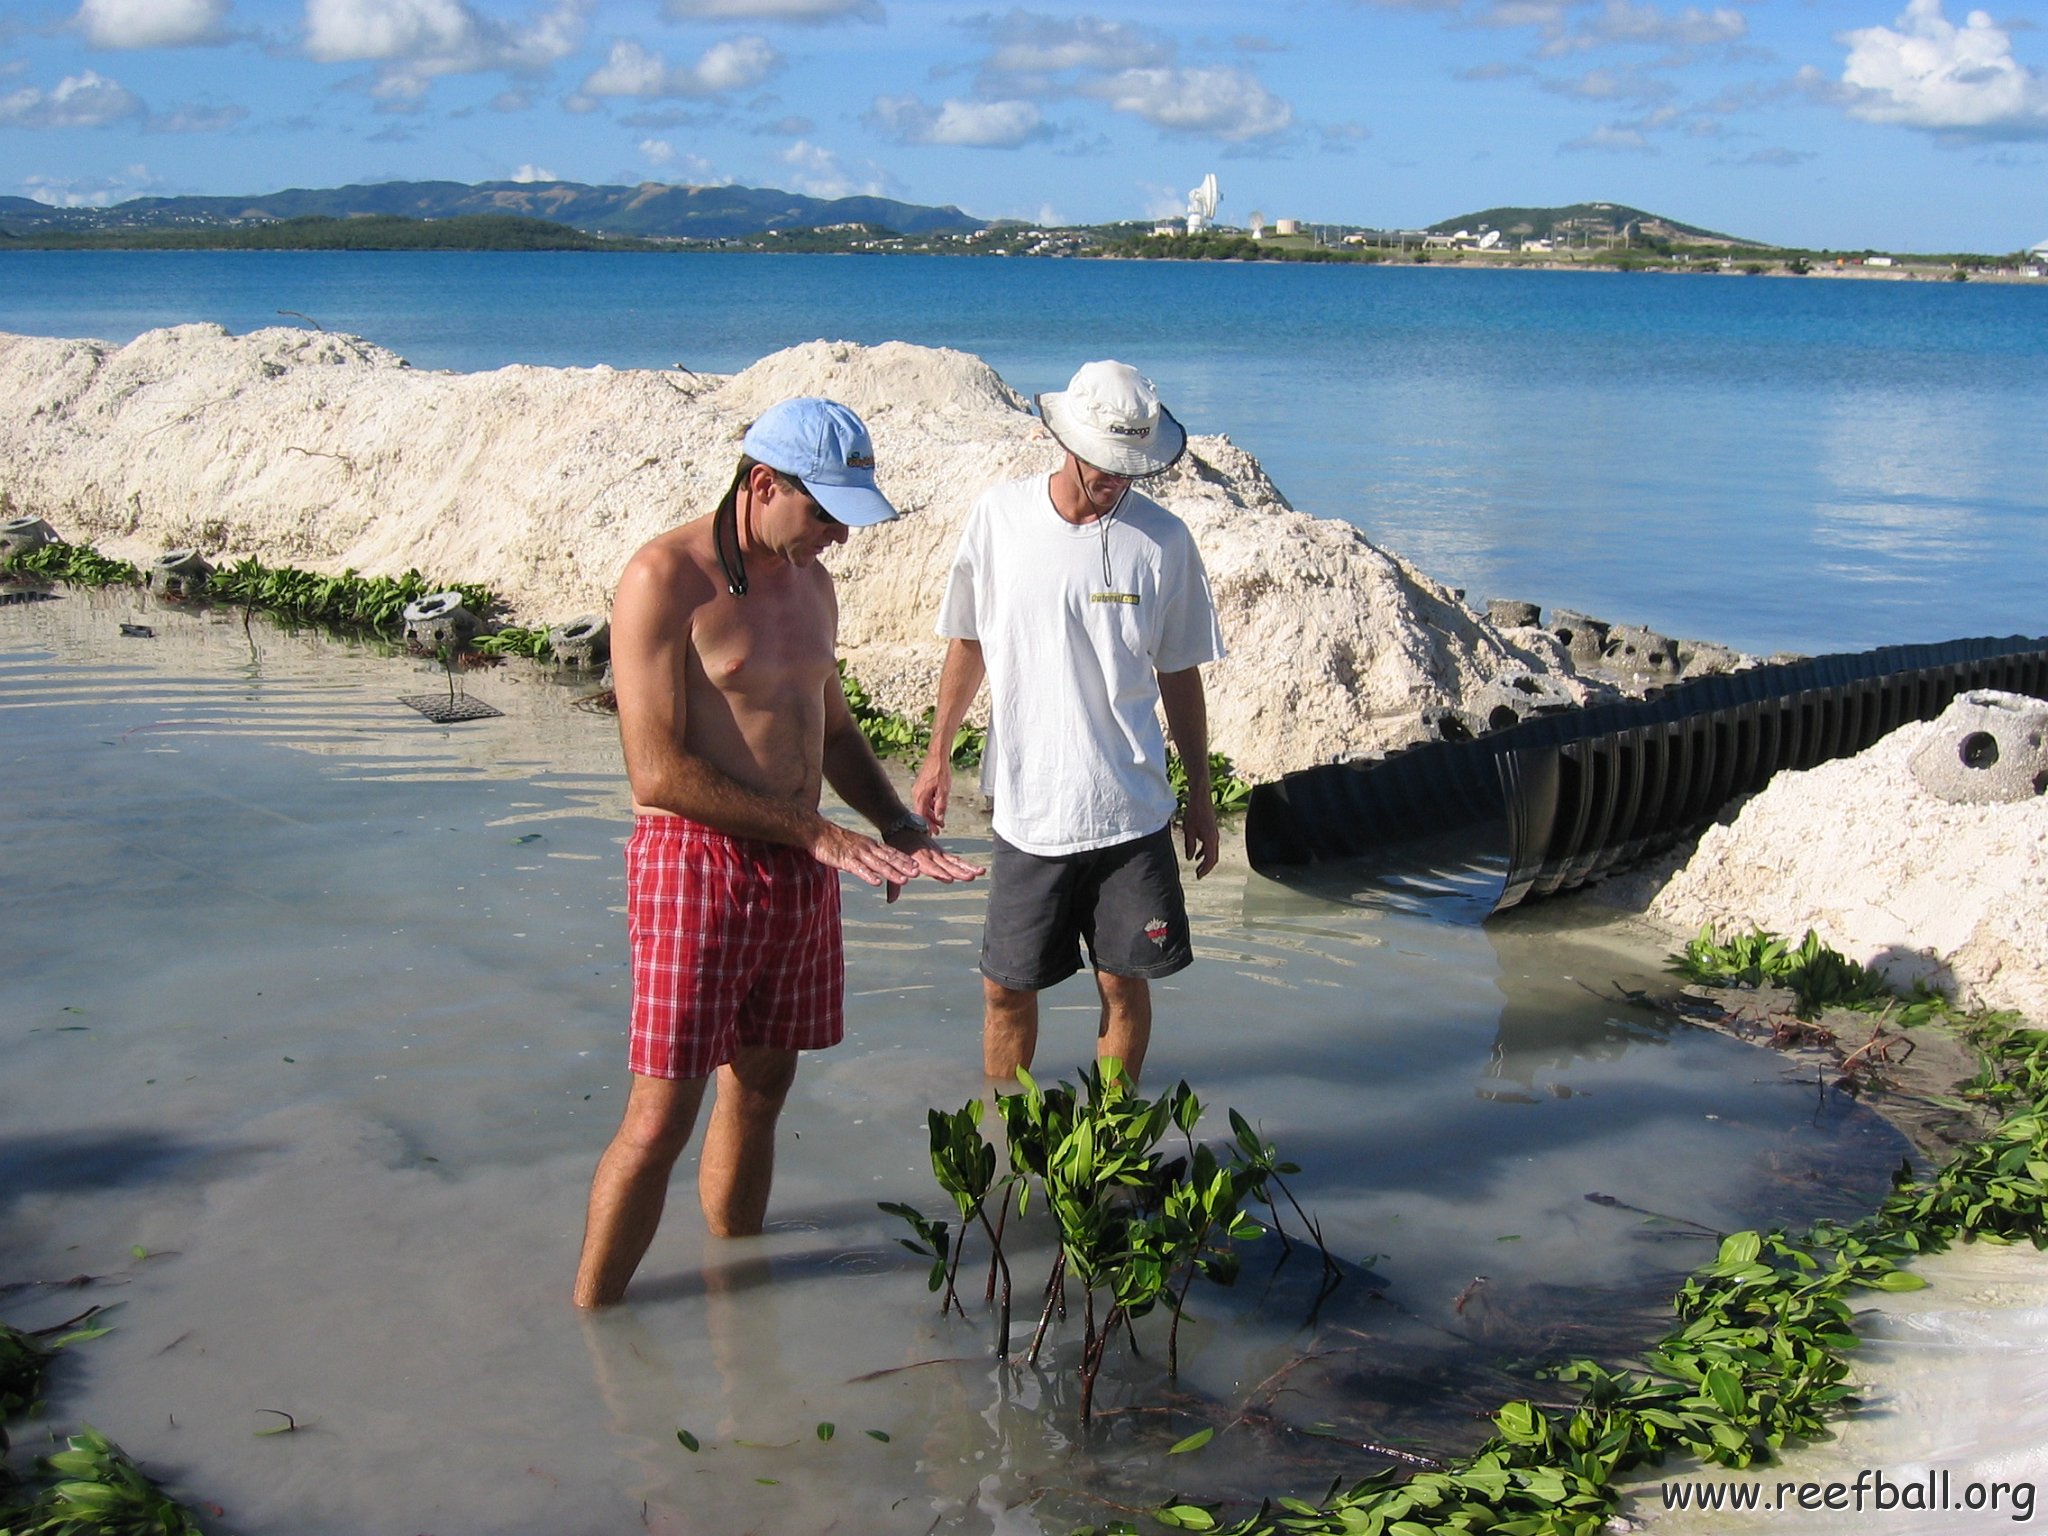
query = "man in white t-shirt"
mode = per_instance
[{"x": 1086, "y": 607}]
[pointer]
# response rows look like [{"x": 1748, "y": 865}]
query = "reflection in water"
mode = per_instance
[
  {"x": 272, "y": 901},
  {"x": 1901, "y": 480}
]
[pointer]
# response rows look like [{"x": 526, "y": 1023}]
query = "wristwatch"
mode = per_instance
[{"x": 909, "y": 821}]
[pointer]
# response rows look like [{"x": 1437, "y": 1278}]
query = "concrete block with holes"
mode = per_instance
[{"x": 1986, "y": 748}]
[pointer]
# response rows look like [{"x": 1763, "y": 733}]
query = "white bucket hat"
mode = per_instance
[{"x": 1109, "y": 416}]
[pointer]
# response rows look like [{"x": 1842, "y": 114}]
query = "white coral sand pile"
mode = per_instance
[
  {"x": 324, "y": 451},
  {"x": 1886, "y": 872}
]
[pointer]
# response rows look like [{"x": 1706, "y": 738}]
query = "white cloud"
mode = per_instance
[
  {"x": 963, "y": 124},
  {"x": 804, "y": 12},
  {"x": 736, "y": 64},
  {"x": 1030, "y": 44},
  {"x": 1132, "y": 68},
  {"x": 658, "y": 151},
  {"x": 1222, "y": 103},
  {"x": 818, "y": 172},
  {"x": 134, "y": 181},
  {"x": 152, "y": 23},
  {"x": 1162, "y": 201},
  {"x": 1931, "y": 74},
  {"x": 1613, "y": 140},
  {"x": 1622, "y": 21},
  {"x": 193, "y": 118},
  {"x": 1784, "y": 159},
  {"x": 532, "y": 172},
  {"x": 1630, "y": 85},
  {"x": 420, "y": 40},
  {"x": 387, "y": 29},
  {"x": 84, "y": 100}
]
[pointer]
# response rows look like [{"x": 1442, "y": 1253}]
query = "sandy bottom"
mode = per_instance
[{"x": 321, "y": 1008}]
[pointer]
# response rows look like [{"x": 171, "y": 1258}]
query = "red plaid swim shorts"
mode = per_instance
[{"x": 735, "y": 943}]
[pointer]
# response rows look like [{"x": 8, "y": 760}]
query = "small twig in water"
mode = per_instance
[
  {"x": 1471, "y": 1290},
  {"x": 915, "y": 1365}
]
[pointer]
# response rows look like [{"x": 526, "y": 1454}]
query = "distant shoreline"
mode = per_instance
[{"x": 1465, "y": 262}]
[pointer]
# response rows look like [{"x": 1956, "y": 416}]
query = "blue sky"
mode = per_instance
[{"x": 1899, "y": 124}]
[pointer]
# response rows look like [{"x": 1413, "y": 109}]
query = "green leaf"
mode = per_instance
[
  {"x": 1194, "y": 1442},
  {"x": 686, "y": 1440},
  {"x": 1896, "y": 1280},
  {"x": 1740, "y": 1248},
  {"x": 139, "y": 1251},
  {"x": 879, "y": 1434},
  {"x": 826, "y": 1431},
  {"x": 1185, "y": 1517}
]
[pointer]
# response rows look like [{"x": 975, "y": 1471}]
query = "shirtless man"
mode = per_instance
[{"x": 724, "y": 636}]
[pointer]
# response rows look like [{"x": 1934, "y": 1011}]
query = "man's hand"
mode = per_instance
[
  {"x": 933, "y": 862},
  {"x": 862, "y": 857},
  {"x": 1199, "y": 837},
  {"x": 932, "y": 790}
]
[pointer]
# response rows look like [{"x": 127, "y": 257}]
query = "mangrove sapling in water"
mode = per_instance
[{"x": 1134, "y": 1229}]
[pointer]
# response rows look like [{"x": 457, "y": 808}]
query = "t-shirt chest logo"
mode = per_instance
[{"x": 1114, "y": 597}]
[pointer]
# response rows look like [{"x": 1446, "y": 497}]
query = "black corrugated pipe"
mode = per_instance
[{"x": 1564, "y": 798}]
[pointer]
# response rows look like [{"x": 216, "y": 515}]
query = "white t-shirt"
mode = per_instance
[{"x": 1076, "y": 756}]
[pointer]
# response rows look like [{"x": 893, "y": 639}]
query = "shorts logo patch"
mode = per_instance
[{"x": 1157, "y": 930}]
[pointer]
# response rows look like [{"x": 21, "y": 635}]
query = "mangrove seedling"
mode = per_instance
[{"x": 1133, "y": 1228}]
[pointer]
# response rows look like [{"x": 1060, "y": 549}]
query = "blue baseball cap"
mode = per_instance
[{"x": 827, "y": 447}]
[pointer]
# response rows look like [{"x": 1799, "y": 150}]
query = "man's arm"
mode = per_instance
[
  {"x": 857, "y": 775},
  {"x": 659, "y": 594},
  {"x": 1187, "y": 721},
  {"x": 959, "y": 680}
]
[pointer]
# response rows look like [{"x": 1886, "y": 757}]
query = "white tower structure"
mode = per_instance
[{"x": 1202, "y": 203}]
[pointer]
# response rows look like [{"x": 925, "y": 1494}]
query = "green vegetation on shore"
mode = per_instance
[{"x": 318, "y": 232}]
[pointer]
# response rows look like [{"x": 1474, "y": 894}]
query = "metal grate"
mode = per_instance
[{"x": 442, "y": 710}]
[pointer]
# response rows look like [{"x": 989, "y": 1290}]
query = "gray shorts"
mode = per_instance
[{"x": 1125, "y": 901}]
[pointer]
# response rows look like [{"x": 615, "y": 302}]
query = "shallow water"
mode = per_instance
[{"x": 322, "y": 1007}]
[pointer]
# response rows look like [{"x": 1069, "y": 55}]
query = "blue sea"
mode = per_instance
[{"x": 1778, "y": 464}]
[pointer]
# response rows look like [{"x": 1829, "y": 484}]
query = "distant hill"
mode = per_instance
[
  {"x": 1596, "y": 221},
  {"x": 651, "y": 209},
  {"x": 318, "y": 232}
]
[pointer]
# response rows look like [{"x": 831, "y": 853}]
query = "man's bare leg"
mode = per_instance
[
  {"x": 1009, "y": 1029},
  {"x": 738, "y": 1161},
  {"x": 1126, "y": 1027},
  {"x": 631, "y": 1184}
]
